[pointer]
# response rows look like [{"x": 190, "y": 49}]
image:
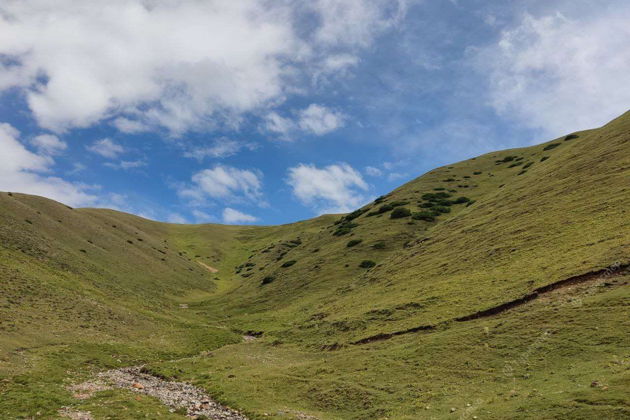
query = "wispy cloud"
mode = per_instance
[
  {"x": 28, "y": 172},
  {"x": 232, "y": 216},
  {"x": 561, "y": 74},
  {"x": 106, "y": 148},
  {"x": 313, "y": 120}
]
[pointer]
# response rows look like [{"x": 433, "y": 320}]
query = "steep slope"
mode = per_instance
[{"x": 501, "y": 292}]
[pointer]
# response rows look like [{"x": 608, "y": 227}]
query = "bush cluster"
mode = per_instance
[
  {"x": 400, "y": 212},
  {"x": 267, "y": 280},
  {"x": 367, "y": 264},
  {"x": 551, "y": 146},
  {"x": 354, "y": 242},
  {"x": 345, "y": 228}
]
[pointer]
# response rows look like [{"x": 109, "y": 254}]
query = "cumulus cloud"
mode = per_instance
[
  {"x": 179, "y": 65},
  {"x": 106, "y": 148},
  {"x": 49, "y": 144},
  {"x": 24, "y": 171},
  {"x": 231, "y": 216},
  {"x": 315, "y": 120},
  {"x": 319, "y": 120},
  {"x": 225, "y": 183},
  {"x": 560, "y": 74},
  {"x": 331, "y": 189}
]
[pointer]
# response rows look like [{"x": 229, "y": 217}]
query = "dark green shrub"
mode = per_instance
[
  {"x": 424, "y": 215},
  {"x": 435, "y": 196},
  {"x": 427, "y": 205},
  {"x": 345, "y": 228},
  {"x": 267, "y": 280},
  {"x": 470, "y": 203},
  {"x": 571, "y": 137},
  {"x": 505, "y": 160},
  {"x": 544, "y": 158},
  {"x": 353, "y": 242},
  {"x": 385, "y": 208},
  {"x": 379, "y": 245},
  {"x": 342, "y": 231},
  {"x": 551, "y": 146},
  {"x": 466, "y": 177},
  {"x": 461, "y": 200},
  {"x": 354, "y": 214},
  {"x": 380, "y": 199},
  {"x": 400, "y": 212},
  {"x": 399, "y": 203},
  {"x": 442, "y": 209},
  {"x": 515, "y": 164},
  {"x": 439, "y": 189},
  {"x": 448, "y": 180},
  {"x": 477, "y": 173},
  {"x": 288, "y": 263},
  {"x": 367, "y": 264},
  {"x": 527, "y": 165},
  {"x": 443, "y": 202},
  {"x": 522, "y": 172}
]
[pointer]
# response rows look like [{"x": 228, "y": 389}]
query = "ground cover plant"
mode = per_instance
[{"x": 510, "y": 303}]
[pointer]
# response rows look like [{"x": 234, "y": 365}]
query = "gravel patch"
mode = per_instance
[{"x": 176, "y": 395}]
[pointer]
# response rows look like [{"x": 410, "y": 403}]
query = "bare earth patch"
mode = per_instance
[
  {"x": 207, "y": 267},
  {"x": 75, "y": 415},
  {"x": 176, "y": 395}
]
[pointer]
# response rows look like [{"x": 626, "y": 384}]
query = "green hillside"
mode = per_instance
[{"x": 496, "y": 287}]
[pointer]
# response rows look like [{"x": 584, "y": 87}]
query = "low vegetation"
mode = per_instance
[{"x": 386, "y": 328}]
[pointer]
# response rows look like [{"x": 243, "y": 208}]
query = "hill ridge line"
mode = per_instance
[{"x": 615, "y": 269}]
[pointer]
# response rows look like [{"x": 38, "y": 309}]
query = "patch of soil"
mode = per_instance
[{"x": 176, "y": 395}]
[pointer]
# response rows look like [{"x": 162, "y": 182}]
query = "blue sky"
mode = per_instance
[{"x": 274, "y": 111}]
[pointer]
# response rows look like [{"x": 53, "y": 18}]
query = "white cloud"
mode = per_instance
[
  {"x": 128, "y": 126},
  {"x": 280, "y": 125},
  {"x": 127, "y": 164},
  {"x": 220, "y": 148},
  {"x": 225, "y": 183},
  {"x": 559, "y": 74},
  {"x": 314, "y": 119},
  {"x": 179, "y": 65},
  {"x": 372, "y": 171},
  {"x": 49, "y": 144},
  {"x": 176, "y": 218},
  {"x": 356, "y": 22},
  {"x": 319, "y": 120},
  {"x": 106, "y": 148},
  {"x": 26, "y": 172},
  {"x": 202, "y": 216},
  {"x": 332, "y": 189},
  {"x": 231, "y": 216}
]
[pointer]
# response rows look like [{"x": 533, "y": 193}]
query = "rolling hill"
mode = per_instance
[{"x": 492, "y": 288}]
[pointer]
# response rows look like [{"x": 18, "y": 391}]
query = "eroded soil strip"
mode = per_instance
[
  {"x": 615, "y": 270},
  {"x": 176, "y": 395}
]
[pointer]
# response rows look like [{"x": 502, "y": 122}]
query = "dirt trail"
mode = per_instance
[
  {"x": 176, "y": 395},
  {"x": 207, "y": 267},
  {"x": 593, "y": 276}
]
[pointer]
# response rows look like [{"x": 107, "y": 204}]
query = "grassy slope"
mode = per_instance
[{"x": 563, "y": 216}]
